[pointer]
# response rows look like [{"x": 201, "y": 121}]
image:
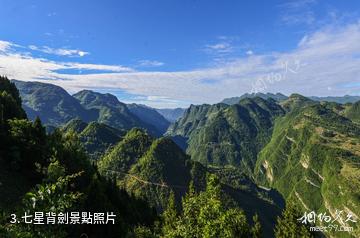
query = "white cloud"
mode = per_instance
[
  {"x": 23, "y": 66},
  {"x": 249, "y": 52},
  {"x": 5, "y": 45},
  {"x": 100, "y": 67},
  {"x": 307, "y": 18},
  {"x": 59, "y": 52},
  {"x": 51, "y": 14},
  {"x": 150, "y": 63},
  {"x": 298, "y": 12},
  {"x": 296, "y": 4},
  {"x": 327, "y": 58},
  {"x": 222, "y": 47}
]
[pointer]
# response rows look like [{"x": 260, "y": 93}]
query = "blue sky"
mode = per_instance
[{"x": 173, "y": 53}]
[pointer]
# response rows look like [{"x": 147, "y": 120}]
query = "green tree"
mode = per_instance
[
  {"x": 169, "y": 217},
  {"x": 54, "y": 171},
  {"x": 47, "y": 197},
  {"x": 288, "y": 225},
  {"x": 205, "y": 215},
  {"x": 256, "y": 229}
]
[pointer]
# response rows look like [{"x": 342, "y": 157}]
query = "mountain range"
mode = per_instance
[
  {"x": 281, "y": 97},
  {"x": 267, "y": 149},
  {"x": 56, "y": 107},
  {"x": 172, "y": 114},
  {"x": 307, "y": 150}
]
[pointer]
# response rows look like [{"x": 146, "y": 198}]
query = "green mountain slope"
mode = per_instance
[
  {"x": 313, "y": 160},
  {"x": 148, "y": 167},
  {"x": 193, "y": 118},
  {"x": 150, "y": 116},
  {"x": 296, "y": 102},
  {"x": 152, "y": 168},
  {"x": 234, "y": 100},
  {"x": 342, "y": 100},
  {"x": 51, "y": 173},
  {"x": 281, "y": 97},
  {"x": 95, "y": 137},
  {"x": 111, "y": 111},
  {"x": 171, "y": 114},
  {"x": 353, "y": 112},
  {"x": 228, "y": 135},
  {"x": 126, "y": 153},
  {"x": 56, "y": 107},
  {"x": 236, "y": 134},
  {"x": 51, "y": 103},
  {"x": 76, "y": 125},
  {"x": 165, "y": 167}
]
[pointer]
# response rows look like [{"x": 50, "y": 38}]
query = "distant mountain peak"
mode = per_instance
[
  {"x": 233, "y": 100},
  {"x": 89, "y": 97}
]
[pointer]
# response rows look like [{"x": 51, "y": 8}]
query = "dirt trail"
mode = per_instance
[{"x": 147, "y": 182}]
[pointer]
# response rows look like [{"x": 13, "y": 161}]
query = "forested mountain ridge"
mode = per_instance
[
  {"x": 111, "y": 111},
  {"x": 51, "y": 173},
  {"x": 96, "y": 137},
  {"x": 155, "y": 168},
  {"x": 195, "y": 116},
  {"x": 51, "y": 103},
  {"x": 279, "y": 97},
  {"x": 310, "y": 153},
  {"x": 151, "y": 116},
  {"x": 234, "y": 100},
  {"x": 56, "y": 107},
  {"x": 313, "y": 160},
  {"x": 220, "y": 135},
  {"x": 306, "y": 150},
  {"x": 172, "y": 114},
  {"x": 140, "y": 158}
]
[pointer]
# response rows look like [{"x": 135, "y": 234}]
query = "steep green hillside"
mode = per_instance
[
  {"x": 152, "y": 168},
  {"x": 95, "y": 137},
  {"x": 42, "y": 172},
  {"x": 313, "y": 160},
  {"x": 228, "y": 135},
  {"x": 148, "y": 167},
  {"x": 235, "y": 135},
  {"x": 295, "y": 102},
  {"x": 150, "y": 116},
  {"x": 111, "y": 111},
  {"x": 56, "y": 107},
  {"x": 193, "y": 118},
  {"x": 164, "y": 167},
  {"x": 171, "y": 114},
  {"x": 353, "y": 112},
  {"x": 126, "y": 153},
  {"x": 51, "y": 103}
]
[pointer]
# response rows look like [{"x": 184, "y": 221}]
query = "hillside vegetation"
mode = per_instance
[
  {"x": 222, "y": 135},
  {"x": 55, "y": 107},
  {"x": 96, "y": 137},
  {"x": 313, "y": 160},
  {"x": 249, "y": 166}
]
